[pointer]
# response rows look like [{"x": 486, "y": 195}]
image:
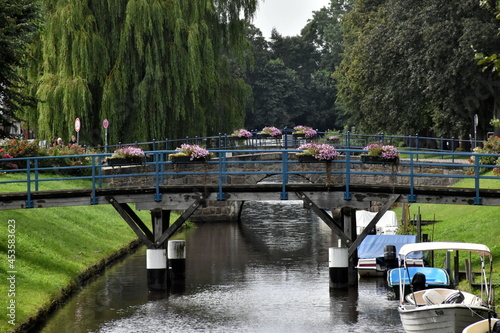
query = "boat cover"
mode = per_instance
[
  {"x": 387, "y": 225},
  {"x": 407, "y": 250},
  {"x": 433, "y": 276},
  {"x": 373, "y": 245}
]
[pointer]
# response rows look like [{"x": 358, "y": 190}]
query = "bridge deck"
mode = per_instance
[{"x": 180, "y": 196}]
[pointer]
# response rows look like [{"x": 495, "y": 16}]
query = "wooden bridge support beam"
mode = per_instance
[
  {"x": 349, "y": 220},
  {"x": 155, "y": 240},
  {"x": 347, "y": 230}
]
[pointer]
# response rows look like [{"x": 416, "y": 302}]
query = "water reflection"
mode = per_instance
[{"x": 269, "y": 274}]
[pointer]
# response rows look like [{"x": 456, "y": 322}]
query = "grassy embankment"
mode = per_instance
[
  {"x": 54, "y": 248},
  {"x": 459, "y": 223}
]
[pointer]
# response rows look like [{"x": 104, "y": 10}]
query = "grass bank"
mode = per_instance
[
  {"x": 46, "y": 252},
  {"x": 462, "y": 223}
]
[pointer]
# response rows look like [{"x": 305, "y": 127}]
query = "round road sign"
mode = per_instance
[
  {"x": 105, "y": 123},
  {"x": 77, "y": 124}
]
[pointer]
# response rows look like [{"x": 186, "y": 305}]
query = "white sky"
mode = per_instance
[{"x": 287, "y": 16}]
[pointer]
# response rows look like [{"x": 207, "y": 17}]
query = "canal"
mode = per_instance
[{"x": 267, "y": 274}]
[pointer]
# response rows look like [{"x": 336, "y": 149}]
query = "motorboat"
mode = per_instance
[
  {"x": 443, "y": 309},
  {"x": 416, "y": 278},
  {"x": 490, "y": 325},
  {"x": 378, "y": 253}
]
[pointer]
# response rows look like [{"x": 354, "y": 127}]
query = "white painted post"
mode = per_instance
[
  {"x": 156, "y": 264},
  {"x": 338, "y": 267},
  {"x": 177, "y": 260}
]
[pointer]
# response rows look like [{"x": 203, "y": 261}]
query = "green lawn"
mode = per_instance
[
  {"x": 461, "y": 223},
  {"x": 42, "y": 185},
  {"x": 53, "y": 246}
]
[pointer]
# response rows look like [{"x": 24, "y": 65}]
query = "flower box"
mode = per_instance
[
  {"x": 263, "y": 135},
  {"x": 378, "y": 160},
  {"x": 188, "y": 160},
  {"x": 299, "y": 135},
  {"x": 125, "y": 161},
  {"x": 312, "y": 159}
]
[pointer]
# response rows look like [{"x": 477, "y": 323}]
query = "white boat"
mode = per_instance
[
  {"x": 491, "y": 325},
  {"x": 445, "y": 310}
]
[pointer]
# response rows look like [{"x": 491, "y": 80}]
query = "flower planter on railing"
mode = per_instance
[
  {"x": 125, "y": 161},
  {"x": 378, "y": 160},
  {"x": 188, "y": 160},
  {"x": 312, "y": 159}
]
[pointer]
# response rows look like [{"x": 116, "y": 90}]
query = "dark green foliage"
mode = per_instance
[
  {"x": 154, "y": 69},
  {"x": 409, "y": 67},
  {"x": 18, "y": 19}
]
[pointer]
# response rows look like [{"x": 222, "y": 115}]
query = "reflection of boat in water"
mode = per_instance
[
  {"x": 417, "y": 278},
  {"x": 440, "y": 309},
  {"x": 490, "y": 325},
  {"x": 378, "y": 253}
]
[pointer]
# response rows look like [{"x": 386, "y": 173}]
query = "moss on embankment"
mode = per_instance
[{"x": 47, "y": 253}]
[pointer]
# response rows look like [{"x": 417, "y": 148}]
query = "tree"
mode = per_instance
[
  {"x": 18, "y": 22},
  {"x": 408, "y": 67},
  {"x": 277, "y": 92},
  {"x": 149, "y": 67}
]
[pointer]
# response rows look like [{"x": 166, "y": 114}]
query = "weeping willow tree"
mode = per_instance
[{"x": 153, "y": 68}]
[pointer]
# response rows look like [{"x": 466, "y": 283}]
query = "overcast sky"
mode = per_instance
[{"x": 287, "y": 16}]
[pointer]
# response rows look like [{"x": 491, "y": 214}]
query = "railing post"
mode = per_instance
[
  {"x": 29, "y": 202},
  {"x": 381, "y": 138},
  {"x": 99, "y": 163},
  {"x": 93, "y": 199},
  {"x": 154, "y": 144},
  {"x": 477, "y": 174},
  {"x": 453, "y": 149},
  {"x": 441, "y": 145},
  {"x": 222, "y": 174},
  {"x": 347, "y": 193},
  {"x": 36, "y": 174},
  {"x": 285, "y": 132},
  {"x": 158, "y": 196},
  {"x": 348, "y": 140},
  {"x": 284, "y": 177},
  {"x": 411, "y": 197},
  {"x": 416, "y": 144}
]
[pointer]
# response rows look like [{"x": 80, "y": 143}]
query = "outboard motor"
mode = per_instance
[
  {"x": 496, "y": 327},
  {"x": 418, "y": 281},
  {"x": 390, "y": 258}
]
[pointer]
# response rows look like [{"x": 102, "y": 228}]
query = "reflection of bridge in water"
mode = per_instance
[{"x": 217, "y": 190}]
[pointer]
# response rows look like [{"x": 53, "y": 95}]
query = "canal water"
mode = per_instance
[{"x": 267, "y": 274}]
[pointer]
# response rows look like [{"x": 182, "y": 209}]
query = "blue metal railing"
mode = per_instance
[
  {"x": 346, "y": 140},
  {"x": 32, "y": 169}
]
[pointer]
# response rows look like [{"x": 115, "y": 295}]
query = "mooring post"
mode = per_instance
[
  {"x": 338, "y": 262},
  {"x": 156, "y": 258},
  {"x": 156, "y": 264},
  {"x": 177, "y": 260}
]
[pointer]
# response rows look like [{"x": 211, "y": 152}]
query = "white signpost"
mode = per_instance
[{"x": 105, "y": 124}]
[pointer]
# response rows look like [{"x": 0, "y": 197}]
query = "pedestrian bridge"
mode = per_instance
[
  {"x": 241, "y": 175},
  {"x": 218, "y": 188}
]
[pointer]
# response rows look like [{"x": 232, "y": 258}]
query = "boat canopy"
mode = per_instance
[
  {"x": 373, "y": 245},
  {"x": 481, "y": 249}
]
